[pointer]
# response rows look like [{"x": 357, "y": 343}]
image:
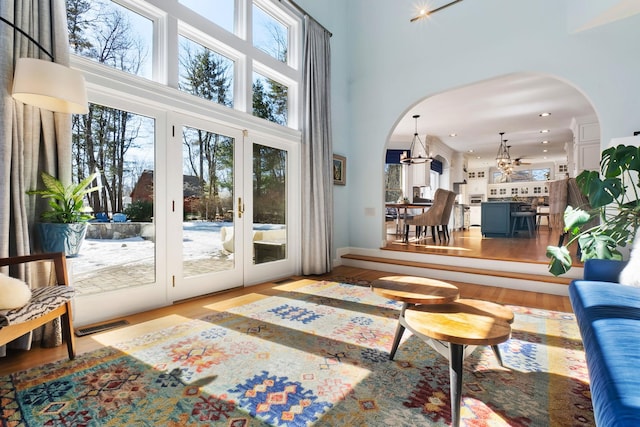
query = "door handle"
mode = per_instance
[{"x": 240, "y": 207}]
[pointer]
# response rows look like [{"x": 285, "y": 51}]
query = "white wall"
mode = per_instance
[{"x": 383, "y": 65}]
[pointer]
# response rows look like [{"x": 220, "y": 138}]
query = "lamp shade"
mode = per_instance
[{"x": 49, "y": 86}]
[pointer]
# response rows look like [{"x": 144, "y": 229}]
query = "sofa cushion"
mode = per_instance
[
  {"x": 631, "y": 273},
  {"x": 608, "y": 315}
]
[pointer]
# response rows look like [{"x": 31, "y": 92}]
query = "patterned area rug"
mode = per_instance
[{"x": 317, "y": 355}]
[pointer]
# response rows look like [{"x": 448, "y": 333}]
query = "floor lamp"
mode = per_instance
[{"x": 47, "y": 84}]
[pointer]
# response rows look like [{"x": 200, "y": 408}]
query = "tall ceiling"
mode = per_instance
[{"x": 511, "y": 104}]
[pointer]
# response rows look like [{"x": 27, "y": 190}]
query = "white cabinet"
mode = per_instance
[
  {"x": 586, "y": 147},
  {"x": 475, "y": 215},
  {"x": 477, "y": 180},
  {"x": 518, "y": 189}
]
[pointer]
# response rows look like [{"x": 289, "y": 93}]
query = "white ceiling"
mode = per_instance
[{"x": 510, "y": 104}]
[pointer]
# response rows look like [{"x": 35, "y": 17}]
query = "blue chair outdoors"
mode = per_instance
[
  {"x": 102, "y": 217},
  {"x": 119, "y": 217}
]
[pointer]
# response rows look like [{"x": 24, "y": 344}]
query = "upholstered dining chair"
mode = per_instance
[
  {"x": 431, "y": 218},
  {"x": 446, "y": 214},
  {"x": 46, "y": 303}
]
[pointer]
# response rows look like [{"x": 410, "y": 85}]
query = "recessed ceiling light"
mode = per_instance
[
  {"x": 544, "y": 114},
  {"x": 545, "y": 151},
  {"x": 470, "y": 150},
  {"x": 545, "y": 142},
  {"x": 453, "y": 134},
  {"x": 544, "y": 131}
]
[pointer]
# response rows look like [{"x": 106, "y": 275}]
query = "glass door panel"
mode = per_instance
[
  {"x": 269, "y": 204},
  {"x": 272, "y": 180},
  {"x": 207, "y": 184},
  {"x": 119, "y": 250},
  {"x": 205, "y": 219}
]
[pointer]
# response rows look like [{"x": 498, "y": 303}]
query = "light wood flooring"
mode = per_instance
[
  {"x": 196, "y": 308},
  {"x": 470, "y": 243}
]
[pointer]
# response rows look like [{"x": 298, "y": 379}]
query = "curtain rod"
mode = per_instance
[{"x": 304, "y": 13}]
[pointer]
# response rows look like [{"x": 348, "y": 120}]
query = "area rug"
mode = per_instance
[{"x": 316, "y": 355}]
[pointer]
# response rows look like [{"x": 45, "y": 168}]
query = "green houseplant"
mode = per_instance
[
  {"x": 613, "y": 196},
  {"x": 64, "y": 225}
]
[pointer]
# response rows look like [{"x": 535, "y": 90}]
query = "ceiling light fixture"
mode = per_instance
[
  {"x": 544, "y": 114},
  {"x": 544, "y": 131},
  {"x": 418, "y": 153},
  {"x": 424, "y": 13},
  {"x": 452, "y": 135},
  {"x": 503, "y": 158},
  {"x": 545, "y": 141}
]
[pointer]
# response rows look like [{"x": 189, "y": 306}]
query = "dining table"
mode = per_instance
[{"x": 401, "y": 217}]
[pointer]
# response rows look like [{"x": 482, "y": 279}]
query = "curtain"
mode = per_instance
[
  {"x": 33, "y": 140},
  {"x": 317, "y": 152}
]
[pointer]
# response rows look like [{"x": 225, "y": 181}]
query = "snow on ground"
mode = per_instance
[{"x": 201, "y": 240}]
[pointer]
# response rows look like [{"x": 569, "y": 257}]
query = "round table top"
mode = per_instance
[
  {"x": 464, "y": 322},
  {"x": 415, "y": 290}
]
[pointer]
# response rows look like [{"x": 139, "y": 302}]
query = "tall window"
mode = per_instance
[
  {"x": 110, "y": 34},
  {"x": 220, "y": 12},
  {"x": 270, "y": 35},
  {"x": 168, "y": 43},
  {"x": 392, "y": 182},
  {"x": 205, "y": 73},
  {"x": 270, "y": 99}
]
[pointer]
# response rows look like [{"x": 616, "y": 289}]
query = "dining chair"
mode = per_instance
[
  {"x": 446, "y": 214},
  {"x": 432, "y": 217}
]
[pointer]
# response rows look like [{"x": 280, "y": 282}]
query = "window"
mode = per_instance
[
  {"x": 205, "y": 73},
  {"x": 144, "y": 38},
  {"x": 270, "y": 35},
  {"x": 540, "y": 174},
  {"x": 270, "y": 99},
  {"x": 220, "y": 12},
  {"x": 112, "y": 35},
  {"x": 392, "y": 182}
]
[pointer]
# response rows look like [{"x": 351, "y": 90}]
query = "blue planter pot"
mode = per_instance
[{"x": 65, "y": 238}]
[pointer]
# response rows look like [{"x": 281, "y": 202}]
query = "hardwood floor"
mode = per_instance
[
  {"x": 470, "y": 243},
  {"x": 199, "y": 307}
]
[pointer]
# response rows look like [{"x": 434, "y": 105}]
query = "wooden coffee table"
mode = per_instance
[
  {"x": 411, "y": 290},
  {"x": 453, "y": 327}
]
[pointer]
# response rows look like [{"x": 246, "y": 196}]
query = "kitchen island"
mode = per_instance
[{"x": 496, "y": 218}]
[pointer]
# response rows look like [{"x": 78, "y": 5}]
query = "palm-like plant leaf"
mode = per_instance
[{"x": 65, "y": 203}]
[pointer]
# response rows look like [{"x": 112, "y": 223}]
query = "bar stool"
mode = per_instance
[{"x": 523, "y": 217}]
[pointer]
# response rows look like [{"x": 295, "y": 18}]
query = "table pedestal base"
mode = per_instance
[{"x": 454, "y": 352}]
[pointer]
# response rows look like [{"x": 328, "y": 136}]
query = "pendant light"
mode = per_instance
[{"x": 418, "y": 152}]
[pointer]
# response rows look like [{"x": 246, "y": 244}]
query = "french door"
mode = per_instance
[
  {"x": 224, "y": 215},
  {"x": 230, "y": 207}
]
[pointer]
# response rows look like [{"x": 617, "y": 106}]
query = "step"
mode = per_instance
[{"x": 546, "y": 278}]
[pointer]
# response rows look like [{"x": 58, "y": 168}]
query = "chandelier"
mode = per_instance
[
  {"x": 503, "y": 159},
  {"x": 418, "y": 152}
]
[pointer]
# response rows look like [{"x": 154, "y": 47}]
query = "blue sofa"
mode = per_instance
[{"x": 608, "y": 316}]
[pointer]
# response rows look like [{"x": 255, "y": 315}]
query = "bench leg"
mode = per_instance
[
  {"x": 456, "y": 356},
  {"x": 67, "y": 332}
]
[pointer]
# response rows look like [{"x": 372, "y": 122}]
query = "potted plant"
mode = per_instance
[
  {"x": 613, "y": 196},
  {"x": 64, "y": 225}
]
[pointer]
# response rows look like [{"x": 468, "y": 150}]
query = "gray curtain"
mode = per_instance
[
  {"x": 33, "y": 140},
  {"x": 317, "y": 152}
]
